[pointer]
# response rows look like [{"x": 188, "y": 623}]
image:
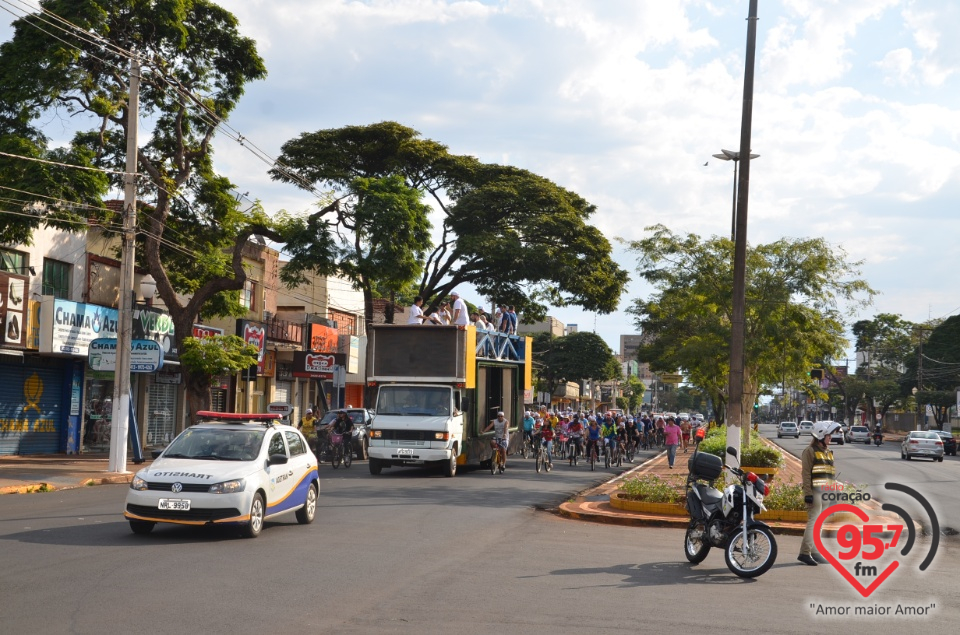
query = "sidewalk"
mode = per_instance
[
  {"x": 594, "y": 504},
  {"x": 26, "y": 474}
]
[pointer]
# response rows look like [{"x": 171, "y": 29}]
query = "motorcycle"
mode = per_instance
[
  {"x": 877, "y": 438},
  {"x": 725, "y": 520}
]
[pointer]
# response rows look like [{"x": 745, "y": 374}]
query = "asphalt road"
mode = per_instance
[
  {"x": 877, "y": 465},
  {"x": 411, "y": 552}
]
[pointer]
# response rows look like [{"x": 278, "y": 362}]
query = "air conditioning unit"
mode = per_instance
[{"x": 267, "y": 316}]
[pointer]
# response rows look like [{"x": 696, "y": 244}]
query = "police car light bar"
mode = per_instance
[{"x": 238, "y": 416}]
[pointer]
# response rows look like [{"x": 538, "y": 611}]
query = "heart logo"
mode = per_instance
[{"x": 854, "y": 582}]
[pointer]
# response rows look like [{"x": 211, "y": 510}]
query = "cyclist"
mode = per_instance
[
  {"x": 659, "y": 425},
  {"x": 609, "y": 433},
  {"x": 343, "y": 425},
  {"x": 501, "y": 434},
  {"x": 528, "y": 422},
  {"x": 593, "y": 435},
  {"x": 575, "y": 429},
  {"x": 546, "y": 437}
]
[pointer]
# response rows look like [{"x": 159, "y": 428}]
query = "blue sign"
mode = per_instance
[{"x": 146, "y": 356}]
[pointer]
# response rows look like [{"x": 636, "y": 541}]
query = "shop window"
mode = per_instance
[{"x": 56, "y": 278}]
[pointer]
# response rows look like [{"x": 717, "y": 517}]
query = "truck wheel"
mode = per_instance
[
  {"x": 375, "y": 466},
  {"x": 450, "y": 467}
]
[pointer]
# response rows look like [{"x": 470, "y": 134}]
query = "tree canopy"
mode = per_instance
[
  {"x": 194, "y": 65},
  {"x": 515, "y": 236},
  {"x": 575, "y": 357},
  {"x": 793, "y": 295}
]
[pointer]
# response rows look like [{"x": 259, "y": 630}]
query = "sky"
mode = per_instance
[{"x": 856, "y": 116}]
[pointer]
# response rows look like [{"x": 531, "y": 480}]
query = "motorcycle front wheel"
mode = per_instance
[
  {"x": 754, "y": 558},
  {"x": 695, "y": 545}
]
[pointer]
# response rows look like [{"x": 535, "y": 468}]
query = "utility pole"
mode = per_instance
[
  {"x": 121, "y": 384},
  {"x": 735, "y": 414}
]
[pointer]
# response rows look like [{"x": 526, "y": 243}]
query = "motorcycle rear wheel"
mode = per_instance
[
  {"x": 695, "y": 545},
  {"x": 758, "y": 559}
]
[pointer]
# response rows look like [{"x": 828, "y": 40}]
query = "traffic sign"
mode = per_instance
[{"x": 671, "y": 378}]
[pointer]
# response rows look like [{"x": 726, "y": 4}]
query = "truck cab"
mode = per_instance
[{"x": 434, "y": 389}]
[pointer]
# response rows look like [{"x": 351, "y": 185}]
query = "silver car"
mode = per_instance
[
  {"x": 922, "y": 444},
  {"x": 806, "y": 427},
  {"x": 788, "y": 429},
  {"x": 859, "y": 434}
]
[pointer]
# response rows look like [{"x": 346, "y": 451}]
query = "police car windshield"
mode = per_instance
[{"x": 216, "y": 444}]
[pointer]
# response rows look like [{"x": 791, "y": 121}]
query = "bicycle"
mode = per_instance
[
  {"x": 594, "y": 457},
  {"x": 529, "y": 447},
  {"x": 574, "y": 451},
  {"x": 606, "y": 453},
  {"x": 630, "y": 449},
  {"x": 339, "y": 452},
  {"x": 499, "y": 459}
]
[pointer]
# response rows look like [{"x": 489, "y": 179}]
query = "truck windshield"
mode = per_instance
[{"x": 414, "y": 400}]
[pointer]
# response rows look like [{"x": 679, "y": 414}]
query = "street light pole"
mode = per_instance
[
  {"x": 730, "y": 155},
  {"x": 735, "y": 413}
]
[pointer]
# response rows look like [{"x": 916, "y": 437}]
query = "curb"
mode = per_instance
[{"x": 44, "y": 488}]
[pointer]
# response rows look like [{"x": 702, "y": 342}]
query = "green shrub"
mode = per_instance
[
  {"x": 785, "y": 497},
  {"x": 759, "y": 454},
  {"x": 653, "y": 489}
]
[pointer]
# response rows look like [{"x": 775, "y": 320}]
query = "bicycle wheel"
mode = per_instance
[
  {"x": 606, "y": 457},
  {"x": 593, "y": 459},
  {"x": 347, "y": 457},
  {"x": 335, "y": 459},
  {"x": 493, "y": 462},
  {"x": 539, "y": 458}
]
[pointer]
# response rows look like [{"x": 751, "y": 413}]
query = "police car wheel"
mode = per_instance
[
  {"x": 141, "y": 527},
  {"x": 308, "y": 512},
  {"x": 253, "y": 528}
]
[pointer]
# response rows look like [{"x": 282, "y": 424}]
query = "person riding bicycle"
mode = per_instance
[
  {"x": 593, "y": 435},
  {"x": 343, "y": 425},
  {"x": 501, "y": 434},
  {"x": 546, "y": 438},
  {"x": 609, "y": 433},
  {"x": 528, "y": 423},
  {"x": 575, "y": 429},
  {"x": 632, "y": 431}
]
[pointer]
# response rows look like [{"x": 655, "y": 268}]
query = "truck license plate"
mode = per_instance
[
  {"x": 176, "y": 504},
  {"x": 405, "y": 451}
]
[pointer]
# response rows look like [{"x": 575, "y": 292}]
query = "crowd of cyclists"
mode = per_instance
[{"x": 610, "y": 437}]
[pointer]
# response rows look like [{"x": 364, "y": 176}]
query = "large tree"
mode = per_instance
[
  {"x": 576, "y": 357},
  {"x": 793, "y": 295},
  {"x": 515, "y": 236},
  {"x": 194, "y": 67}
]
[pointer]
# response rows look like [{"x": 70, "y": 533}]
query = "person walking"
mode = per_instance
[
  {"x": 818, "y": 472},
  {"x": 671, "y": 436}
]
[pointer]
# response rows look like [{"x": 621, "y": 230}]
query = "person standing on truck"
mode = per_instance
[
  {"x": 416, "y": 313},
  {"x": 459, "y": 310},
  {"x": 501, "y": 434}
]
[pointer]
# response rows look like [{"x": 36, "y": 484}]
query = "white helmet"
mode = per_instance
[{"x": 823, "y": 428}]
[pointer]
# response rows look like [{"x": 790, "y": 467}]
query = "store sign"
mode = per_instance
[
  {"x": 146, "y": 356},
  {"x": 157, "y": 325},
  {"x": 201, "y": 331},
  {"x": 350, "y": 349},
  {"x": 67, "y": 328},
  {"x": 254, "y": 333},
  {"x": 13, "y": 310},
  {"x": 280, "y": 408},
  {"x": 314, "y": 365},
  {"x": 324, "y": 339}
]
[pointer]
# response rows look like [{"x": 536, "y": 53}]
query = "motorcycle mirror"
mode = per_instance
[{"x": 732, "y": 451}]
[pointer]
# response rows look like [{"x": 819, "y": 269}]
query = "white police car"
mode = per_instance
[{"x": 231, "y": 469}]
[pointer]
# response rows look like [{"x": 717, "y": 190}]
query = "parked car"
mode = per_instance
[
  {"x": 361, "y": 418},
  {"x": 806, "y": 427},
  {"x": 922, "y": 443},
  {"x": 860, "y": 434},
  {"x": 949, "y": 442},
  {"x": 788, "y": 429}
]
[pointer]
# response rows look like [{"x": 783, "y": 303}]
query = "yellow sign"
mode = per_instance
[{"x": 671, "y": 379}]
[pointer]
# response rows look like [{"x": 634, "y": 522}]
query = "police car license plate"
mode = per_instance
[{"x": 175, "y": 504}]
